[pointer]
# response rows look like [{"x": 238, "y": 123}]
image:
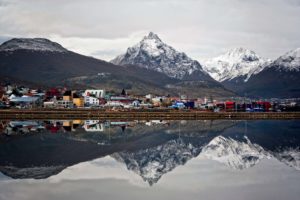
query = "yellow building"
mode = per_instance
[
  {"x": 78, "y": 101},
  {"x": 73, "y": 97},
  {"x": 68, "y": 95}
]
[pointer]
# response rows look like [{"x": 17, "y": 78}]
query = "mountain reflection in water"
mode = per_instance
[{"x": 151, "y": 149}]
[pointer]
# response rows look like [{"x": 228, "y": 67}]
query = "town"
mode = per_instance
[{"x": 20, "y": 97}]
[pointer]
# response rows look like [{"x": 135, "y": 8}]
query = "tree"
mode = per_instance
[{"x": 123, "y": 92}]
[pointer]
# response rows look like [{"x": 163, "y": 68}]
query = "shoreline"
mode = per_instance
[{"x": 143, "y": 115}]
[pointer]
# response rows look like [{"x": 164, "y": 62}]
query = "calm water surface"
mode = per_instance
[{"x": 149, "y": 160}]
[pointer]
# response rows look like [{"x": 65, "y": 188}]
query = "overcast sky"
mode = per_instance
[{"x": 201, "y": 28}]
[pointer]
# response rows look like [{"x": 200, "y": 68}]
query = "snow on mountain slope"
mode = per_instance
[
  {"x": 152, "y": 53},
  {"x": 289, "y": 61},
  {"x": 33, "y": 44},
  {"x": 238, "y": 62},
  {"x": 234, "y": 154}
]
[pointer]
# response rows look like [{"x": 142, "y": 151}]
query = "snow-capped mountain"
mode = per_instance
[
  {"x": 33, "y": 44},
  {"x": 288, "y": 62},
  {"x": 43, "y": 62},
  {"x": 236, "y": 63},
  {"x": 234, "y": 154},
  {"x": 152, "y": 53},
  {"x": 280, "y": 78}
]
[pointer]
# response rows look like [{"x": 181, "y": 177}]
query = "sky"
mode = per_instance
[{"x": 200, "y": 28}]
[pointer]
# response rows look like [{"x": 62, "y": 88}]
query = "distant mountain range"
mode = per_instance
[
  {"x": 152, "y": 66},
  {"x": 47, "y": 63},
  {"x": 246, "y": 73},
  {"x": 237, "y": 64}
]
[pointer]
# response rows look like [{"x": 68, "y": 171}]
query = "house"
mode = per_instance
[
  {"x": 77, "y": 100},
  {"x": 119, "y": 101},
  {"x": 262, "y": 106},
  {"x": 95, "y": 93},
  {"x": 149, "y": 96},
  {"x": 8, "y": 88},
  {"x": 3, "y": 97},
  {"x": 178, "y": 105},
  {"x": 53, "y": 92},
  {"x": 23, "y": 90},
  {"x": 136, "y": 103},
  {"x": 157, "y": 101},
  {"x": 91, "y": 101},
  {"x": 230, "y": 106},
  {"x": 93, "y": 97},
  {"x": 114, "y": 104},
  {"x": 50, "y": 104},
  {"x": 64, "y": 104},
  {"x": 25, "y": 101},
  {"x": 72, "y": 96},
  {"x": 67, "y": 96}
]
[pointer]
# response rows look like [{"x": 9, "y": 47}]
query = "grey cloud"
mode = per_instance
[{"x": 201, "y": 28}]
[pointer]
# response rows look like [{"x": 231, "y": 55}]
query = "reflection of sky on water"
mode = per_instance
[{"x": 200, "y": 178}]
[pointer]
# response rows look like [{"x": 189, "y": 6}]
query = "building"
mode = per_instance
[
  {"x": 77, "y": 100},
  {"x": 95, "y": 93},
  {"x": 230, "y": 106},
  {"x": 25, "y": 101},
  {"x": 64, "y": 104},
  {"x": 91, "y": 101},
  {"x": 67, "y": 96}
]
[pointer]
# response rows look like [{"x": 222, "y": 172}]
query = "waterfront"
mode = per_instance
[
  {"x": 147, "y": 114},
  {"x": 76, "y": 159}
]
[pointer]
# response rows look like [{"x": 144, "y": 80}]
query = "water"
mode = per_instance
[{"x": 150, "y": 160}]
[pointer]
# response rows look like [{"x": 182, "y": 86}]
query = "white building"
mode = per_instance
[
  {"x": 114, "y": 104},
  {"x": 95, "y": 93},
  {"x": 90, "y": 100}
]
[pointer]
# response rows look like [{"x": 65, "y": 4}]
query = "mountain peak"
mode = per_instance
[
  {"x": 289, "y": 61},
  {"x": 240, "y": 54},
  {"x": 152, "y": 53},
  {"x": 237, "y": 62},
  {"x": 152, "y": 36},
  {"x": 33, "y": 44}
]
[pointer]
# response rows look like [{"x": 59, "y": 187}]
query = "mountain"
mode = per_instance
[
  {"x": 44, "y": 61},
  {"x": 41, "y": 61},
  {"x": 152, "y": 53},
  {"x": 281, "y": 78},
  {"x": 36, "y": 44},
  {"x": 246, "y": 73},
  {"x": 237, "y": 65}
]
